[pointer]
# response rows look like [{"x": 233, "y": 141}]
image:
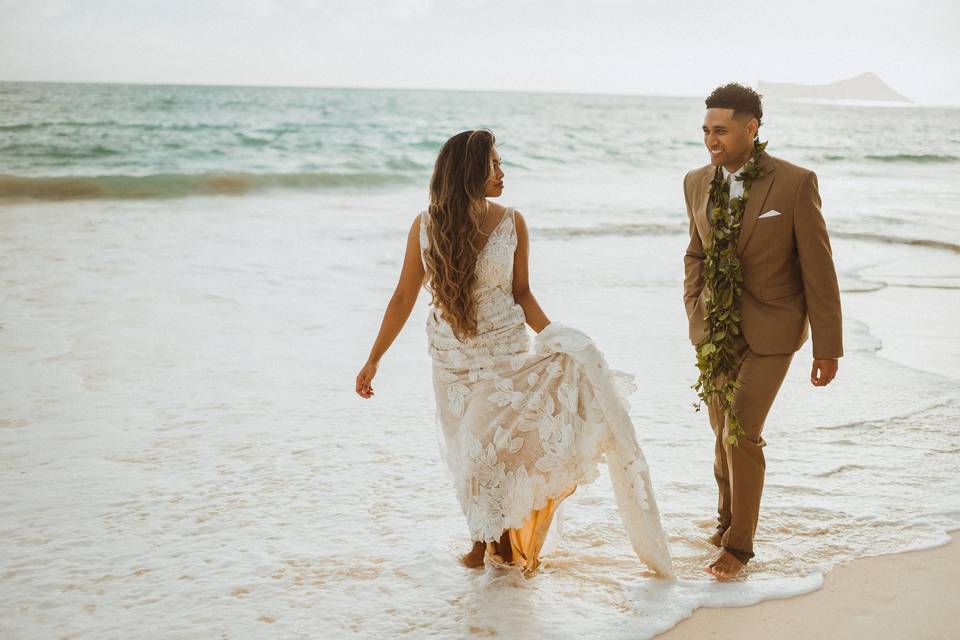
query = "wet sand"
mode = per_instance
[{"x": 906, "y": 595}]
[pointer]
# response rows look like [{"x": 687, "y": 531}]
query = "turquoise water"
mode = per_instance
[{"x": 133, "y": 141}]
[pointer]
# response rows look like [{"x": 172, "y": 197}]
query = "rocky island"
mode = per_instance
[{"x": 866, "y": 86}]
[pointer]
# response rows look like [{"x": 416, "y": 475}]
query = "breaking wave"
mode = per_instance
[{"x": 176, "y": 185}]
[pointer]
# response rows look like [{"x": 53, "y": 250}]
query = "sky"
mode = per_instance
[{"x": 600, "y": 46}]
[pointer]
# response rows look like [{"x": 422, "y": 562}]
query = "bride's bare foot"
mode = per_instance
[
  {"x": 474, "y": 559},
  {"x": 504, "y": 548},
  {"x": 725, "y": 567},
  {"x": 500, "y": 552}
]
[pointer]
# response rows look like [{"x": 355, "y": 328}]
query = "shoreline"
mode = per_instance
[
  {"x": 225, "y": 463},
  {"x": 901, "y": 595}
]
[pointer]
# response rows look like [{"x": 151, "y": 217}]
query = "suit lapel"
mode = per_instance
[
  {"x": 701, "y": 202},
  {"x": 758, "y": 194}
]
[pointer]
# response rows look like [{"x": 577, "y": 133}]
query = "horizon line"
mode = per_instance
[
  {"x": 349, "y": 88},
  {"x": 464, "y": 90}
]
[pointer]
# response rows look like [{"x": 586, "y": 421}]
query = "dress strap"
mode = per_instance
[{"x": 424, "y": 217}]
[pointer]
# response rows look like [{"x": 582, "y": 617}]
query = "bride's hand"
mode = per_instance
[{"x": 365, "y": 378}]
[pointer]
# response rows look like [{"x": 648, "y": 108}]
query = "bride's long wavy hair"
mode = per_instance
[{"x": 457, "y": 205}]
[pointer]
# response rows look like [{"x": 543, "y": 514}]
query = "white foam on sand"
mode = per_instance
[{"x": 182, "y": 454}]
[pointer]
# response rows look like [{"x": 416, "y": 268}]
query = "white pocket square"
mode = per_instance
[{"x": 770, "y": 214}]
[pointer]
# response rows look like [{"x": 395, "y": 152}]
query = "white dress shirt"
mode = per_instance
[{"x": 736, "y": 186}]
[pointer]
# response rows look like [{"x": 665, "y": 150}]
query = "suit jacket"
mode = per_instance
[{"x": 789, "y": 281}]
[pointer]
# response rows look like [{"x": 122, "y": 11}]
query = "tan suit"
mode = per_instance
[{"x": 789, "y": 283}]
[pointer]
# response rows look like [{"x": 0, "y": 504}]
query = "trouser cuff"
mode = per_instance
[{"x": 742, "y": 556}]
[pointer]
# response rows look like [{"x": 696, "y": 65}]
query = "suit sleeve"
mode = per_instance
[
  {"x": 693, "y": 275},
  {"x": 820, "y": 286}
]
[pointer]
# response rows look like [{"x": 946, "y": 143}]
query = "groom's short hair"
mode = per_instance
[{"x": 743, "y": 100}]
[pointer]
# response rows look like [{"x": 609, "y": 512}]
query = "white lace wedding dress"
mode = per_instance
[{"x": 520, "y": 427}]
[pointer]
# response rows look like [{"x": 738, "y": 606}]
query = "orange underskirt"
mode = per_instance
[{"x": 527, "y": 541}]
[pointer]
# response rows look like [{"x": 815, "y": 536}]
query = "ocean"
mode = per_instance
[{"x": 191, "y": 277}]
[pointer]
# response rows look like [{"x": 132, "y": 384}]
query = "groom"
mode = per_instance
[{"x": 788, "y": 282}]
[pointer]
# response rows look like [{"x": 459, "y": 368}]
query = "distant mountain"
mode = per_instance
[{"x": 866, "y": 86}]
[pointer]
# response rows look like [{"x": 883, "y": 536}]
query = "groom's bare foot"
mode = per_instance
[
  {"x": 474, "y": 559},
  {"x": 725, "y": 567},
  {"x": 716, "y": 539}
]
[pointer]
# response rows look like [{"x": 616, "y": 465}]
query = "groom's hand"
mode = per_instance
[{"x": 824, "y": 370}]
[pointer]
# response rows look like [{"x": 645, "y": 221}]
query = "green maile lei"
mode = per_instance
[{"x": 723, "y": 279}]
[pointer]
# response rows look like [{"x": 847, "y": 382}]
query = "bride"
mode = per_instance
[{"x": 521, "y": 428}]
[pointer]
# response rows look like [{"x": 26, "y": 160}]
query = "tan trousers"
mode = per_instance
[{"x": 739, "y": 469}]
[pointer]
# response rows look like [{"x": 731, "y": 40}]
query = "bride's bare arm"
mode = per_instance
[
  {"x": 398, "y": 309},
  {"x": 536, "y": 318}
]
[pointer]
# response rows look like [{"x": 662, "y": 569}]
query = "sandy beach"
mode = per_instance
[{"x": 908, "y": 595}]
